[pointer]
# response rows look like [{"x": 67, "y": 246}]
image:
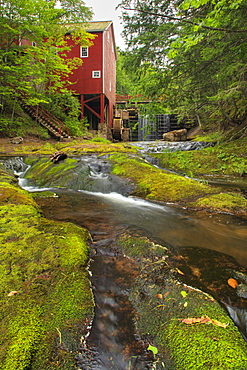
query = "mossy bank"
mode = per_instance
[
  {"x": 224, "y": 159},
  {"x": 46, "y": 299},
  {"x": 161, "y": 185},
  {"x": 185, "y": 327},
  {"x": 76, "y": 147}
]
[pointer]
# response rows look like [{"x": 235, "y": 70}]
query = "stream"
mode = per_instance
[{"x": 106, "y": 210}]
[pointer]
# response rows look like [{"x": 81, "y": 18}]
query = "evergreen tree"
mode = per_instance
[{"x": 194, "y": 52}]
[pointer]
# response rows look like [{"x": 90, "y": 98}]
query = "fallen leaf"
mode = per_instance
[
  {"x": 233, "y": 283},
  {"x": 185, "y": 304},
  {"x": 218, "y": 323},
  {"x": 203, "y": 320},
  {"x": 183, "y": 294},
  {"x": 159, "y": 296},
  {"x": 13, "y": 292},
  {"x": 179, "y": 271},
  {"x": 153, "y": 349},
  {"x": 195, "y": 320}
]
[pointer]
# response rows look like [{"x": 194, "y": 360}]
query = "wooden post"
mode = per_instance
[
  {"x": 82, "y": 106},
  {"x": 102, "y": 108}
]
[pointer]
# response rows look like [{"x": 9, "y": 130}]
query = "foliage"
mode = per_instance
[
  {"x": 98, "y": 139},
  {"x": 14, "y": 122},
  {"x": 193, "y": 54},
  {"x": 67, "y": 108},
  {"x": 32, "y": 47},
  {"x": 126, "y": 81}
]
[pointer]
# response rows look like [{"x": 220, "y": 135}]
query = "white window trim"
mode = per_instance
[
  {"x": 96, "y": 74},
  {"x": 84, "y": 49}
]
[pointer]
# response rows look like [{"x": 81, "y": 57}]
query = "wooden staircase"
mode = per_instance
[{"x": 39, "y": 114}]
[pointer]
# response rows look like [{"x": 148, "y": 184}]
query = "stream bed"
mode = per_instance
[{"x": 106, "y": 211}]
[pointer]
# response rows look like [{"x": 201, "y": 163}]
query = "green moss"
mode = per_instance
[
  {"x": 12, "y": 194},
  {"x": 45, "y": 294},
  {"x": 75, "y": 147},
  {"x": 7, "y": 176},
  {"x": 136, "y": 246},
  {"x": 156, "y": 184},
  {"x": 162, "y": 303},
  {"x": 45, "y": 172},
  {"x": 213, "y": 136},
  {"x": 224, "y": 201}
]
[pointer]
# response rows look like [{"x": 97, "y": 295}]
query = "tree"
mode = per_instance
[
  {"x": 32, "y": 46},
  {"x": 197, "y": 52}
]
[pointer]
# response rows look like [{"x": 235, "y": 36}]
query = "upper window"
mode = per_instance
[
  {"x": 96, "y": 74},
  {"x": 84, "y": 52}
]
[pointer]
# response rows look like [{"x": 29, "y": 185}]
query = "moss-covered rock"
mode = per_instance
[
  {"x": 156, "y": 184},
  {"x": 46, "y": 299},
  {"x": 186, "y": 328},
  {"x": 79, "y": 146},
  {"x": 13, "y": 195},
  {"x": 227, "y": 202}
]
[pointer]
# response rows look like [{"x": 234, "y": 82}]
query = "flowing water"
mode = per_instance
[{"x": 112, "y": 343}]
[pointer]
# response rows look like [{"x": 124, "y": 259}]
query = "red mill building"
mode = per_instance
[{"x": 94, "y": 82}]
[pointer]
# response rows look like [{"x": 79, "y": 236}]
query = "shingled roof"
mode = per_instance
[{"x": 97, "y": 26}]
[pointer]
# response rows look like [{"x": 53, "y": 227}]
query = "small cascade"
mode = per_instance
[
  {"x": 16, "y": 165},
  {"x": 164, "y": 146}
]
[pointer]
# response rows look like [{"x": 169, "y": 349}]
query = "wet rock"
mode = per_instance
[
  {"x": 211, "y": 271},
  {"x": 242, "y": 291},
  {"x": 16, "y": 140}
]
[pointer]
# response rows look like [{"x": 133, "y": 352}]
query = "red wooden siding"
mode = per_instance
[
  {"x": 82, "y": 76},
  {"x": 101, "y": 57}
]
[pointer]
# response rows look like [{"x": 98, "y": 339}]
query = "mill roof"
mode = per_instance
[{"x": 97, "y": 26}]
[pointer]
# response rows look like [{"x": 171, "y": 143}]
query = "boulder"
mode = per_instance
[
  {"x": 176, "y": 135},
  {"x": 16, "y": 140}
]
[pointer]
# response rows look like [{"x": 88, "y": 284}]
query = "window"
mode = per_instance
[
  {"x": 84, "y": 52},
  {"x": 34, "y": 43},
  {"x": 110, "y": 86},
  {"x": 96, "y": 74}
]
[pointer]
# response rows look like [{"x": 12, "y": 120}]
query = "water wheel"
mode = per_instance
[{"x": 117, "y": 128}]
